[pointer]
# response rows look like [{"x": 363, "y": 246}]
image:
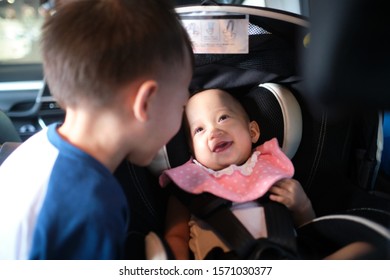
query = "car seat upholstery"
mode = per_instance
[
  {"x": 147, "y": 203},
  {"x": 324, "y": 235},
  {"x": 336, "y": 159}
]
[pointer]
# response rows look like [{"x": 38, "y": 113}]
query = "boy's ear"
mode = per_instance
[
  {"x": 142, "y": 99},
  {"x": 254, "y": 131}
]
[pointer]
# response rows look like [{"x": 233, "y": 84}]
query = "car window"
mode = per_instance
[
  {"x": 20, "y": 23},
  {"x": 24, "y": 97},
  {"x": 21, "y": 20},
  {"x": 300, "y": 7}
]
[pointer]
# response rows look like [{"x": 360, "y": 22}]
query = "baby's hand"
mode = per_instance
[{"x": 290, "y": 193}]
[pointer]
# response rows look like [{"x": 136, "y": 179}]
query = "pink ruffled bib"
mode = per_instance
[{"x": 247, "y": 182}]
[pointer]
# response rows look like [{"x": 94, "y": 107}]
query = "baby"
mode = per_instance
[{"x": 225, "y": 164}]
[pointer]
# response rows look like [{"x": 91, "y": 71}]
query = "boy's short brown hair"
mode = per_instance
[{"x": 93, "y": 47}]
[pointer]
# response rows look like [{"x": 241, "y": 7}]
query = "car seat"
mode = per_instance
[
  {"x": 327, "y": 157},
  {"x": 274, "y": 106},
  {"x": 265, "y": 102},
  {"x": 339, "y": 155}
]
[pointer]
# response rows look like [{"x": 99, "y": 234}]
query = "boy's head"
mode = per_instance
[
  {"x": 130, "y": 58},
  {"x": 220, "y": 131},
  {"x": 91, "y": 48}
]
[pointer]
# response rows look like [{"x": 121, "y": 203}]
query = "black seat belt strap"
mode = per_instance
[
  {"x": 216, "y": 213},
  {"x": 280, "y": 226}
]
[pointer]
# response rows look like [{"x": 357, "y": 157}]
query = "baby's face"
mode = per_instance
[{"x": 221, "y": 133}]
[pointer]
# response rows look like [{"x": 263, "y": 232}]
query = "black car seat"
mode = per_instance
[
  {"x": 275, "y": 107},
  {"x": 335, "y": 161},
  {"x": 339, "y": 155}
]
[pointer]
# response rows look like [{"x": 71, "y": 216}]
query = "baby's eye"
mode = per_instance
[
  {"x": 197, "y": 130},
  {"x": 223, "y": 117}
]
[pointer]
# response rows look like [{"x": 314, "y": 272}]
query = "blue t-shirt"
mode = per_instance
[{"x": 58, "y": 202}]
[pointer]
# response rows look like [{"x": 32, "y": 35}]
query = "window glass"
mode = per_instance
[
  {"x": 21, "y": 20},
  {"x": 20, "y": 23}
]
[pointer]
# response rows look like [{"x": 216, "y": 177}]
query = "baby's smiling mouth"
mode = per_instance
[{"x": 221, "y": 146}]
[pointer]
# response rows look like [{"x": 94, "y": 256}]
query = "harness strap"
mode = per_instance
[
  {"x": 216, "y": 212},
  {"x": 280, "y": 225}
]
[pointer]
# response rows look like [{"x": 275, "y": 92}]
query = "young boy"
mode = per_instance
[{"x": 121, "y": 70}]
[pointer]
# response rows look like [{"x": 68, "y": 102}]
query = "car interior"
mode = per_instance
[{"x": 337, "y": 150}]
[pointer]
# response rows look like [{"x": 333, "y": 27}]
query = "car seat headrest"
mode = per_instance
[
  {"x": 278, "y": 114},
  {"x": 275, "y": 109}
]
